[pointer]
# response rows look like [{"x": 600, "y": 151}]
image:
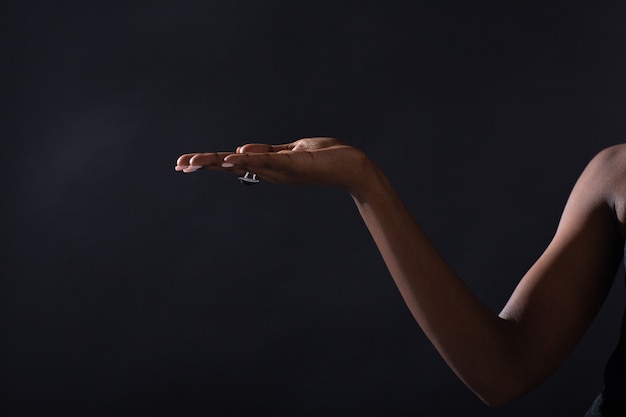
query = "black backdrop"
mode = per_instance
[{"x": 129, "y": 289}]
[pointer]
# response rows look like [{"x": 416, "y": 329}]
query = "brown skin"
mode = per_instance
[{"x": 499, "y": 357}]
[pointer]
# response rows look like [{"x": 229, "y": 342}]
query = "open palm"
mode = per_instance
[{"x": 316, "y": 161}]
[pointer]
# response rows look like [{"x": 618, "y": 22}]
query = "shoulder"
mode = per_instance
[
  {"x": 607, "y": 173},
  {"x": 611, "y": 161}
]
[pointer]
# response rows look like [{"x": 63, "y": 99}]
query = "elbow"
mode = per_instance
[
  {"x": 499, "y": 399},
  {"x": 496, "y": 401},
  {"x": 503, "y": 392},
  {"x": 502, "y": 382}
]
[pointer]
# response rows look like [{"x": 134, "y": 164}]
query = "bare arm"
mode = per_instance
[
  {"x": 502, "y": 357},
  {"x": 498, "y": 356}
]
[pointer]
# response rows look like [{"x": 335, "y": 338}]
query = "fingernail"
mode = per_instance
[
  {"x": 181, "y": 167},
  {"x": 227, "y": 165},
  {"x": 192, "y": 168}
]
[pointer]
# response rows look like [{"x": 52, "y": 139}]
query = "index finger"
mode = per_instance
[{"x": 211, "y": 159}]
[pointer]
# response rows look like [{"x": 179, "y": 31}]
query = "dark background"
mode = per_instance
[{"x": 130, "y": 289}]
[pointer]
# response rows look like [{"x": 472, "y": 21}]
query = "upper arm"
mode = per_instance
[{"x": 559, "y": 296}]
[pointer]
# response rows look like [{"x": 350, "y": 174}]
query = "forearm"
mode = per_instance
[{"x": 477, "y": 344}]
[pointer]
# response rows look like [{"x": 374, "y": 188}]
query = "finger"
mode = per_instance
[
  {"x": 211, "y": 159},
  {"x": 269, "y": 175},
  {"x": 263, "y": 147},
  {"x": 260, "y": 160},
  {"x": 194, "y": 161},
  {"x": 183, "y": 161},
  {"x": 184, "y": 164}
]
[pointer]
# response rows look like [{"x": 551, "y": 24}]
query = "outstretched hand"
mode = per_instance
[{"x": 314, "y": 161}]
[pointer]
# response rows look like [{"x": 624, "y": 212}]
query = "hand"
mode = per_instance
[{"x": 316, "y": 161}]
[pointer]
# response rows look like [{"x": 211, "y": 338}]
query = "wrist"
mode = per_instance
[{"x": 371, "y": 178}]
